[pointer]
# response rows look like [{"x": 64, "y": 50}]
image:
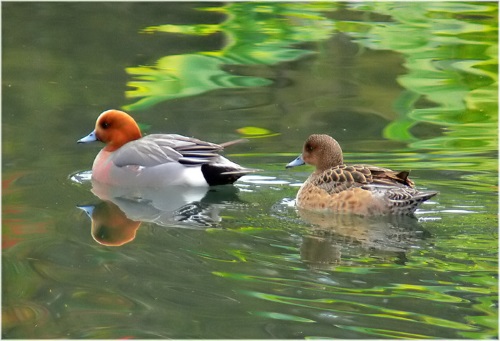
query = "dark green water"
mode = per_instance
[{"x": 399, "y": 85}]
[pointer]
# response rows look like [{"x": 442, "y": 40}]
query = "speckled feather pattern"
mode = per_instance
[{"x": 355, "y": 189}]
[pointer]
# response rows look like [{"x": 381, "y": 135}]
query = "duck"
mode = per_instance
[
  {"x": 129, "y": 159},
  {"x": 364, "y": 190}
]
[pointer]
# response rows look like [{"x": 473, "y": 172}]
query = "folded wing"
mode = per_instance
[{"x": 156, "y": 149}]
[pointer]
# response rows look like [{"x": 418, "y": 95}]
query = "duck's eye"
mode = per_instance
[
  {"x": 105, "y": 125},
  {"x": 309, "y": 148}
]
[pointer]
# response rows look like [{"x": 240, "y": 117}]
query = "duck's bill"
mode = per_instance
[
  {"x": 89, "y": 209},
  {"x": 89, "y": 138},
  {"x": 297, "y": 162}
]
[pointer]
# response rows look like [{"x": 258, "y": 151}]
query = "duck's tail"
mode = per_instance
[
  {"x": 222, "y": 174},
  {"x": 225, "y": 172},
  {"x": 406, "y": 202},
  {"x": 230, "y": 143}
]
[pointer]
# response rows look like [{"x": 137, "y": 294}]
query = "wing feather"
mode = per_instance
[
  {"x": 156, "y": 149},
  {"x": 343, "y": 177}
]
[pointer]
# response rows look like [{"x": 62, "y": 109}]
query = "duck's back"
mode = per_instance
[{"x": 361, "y": 189}]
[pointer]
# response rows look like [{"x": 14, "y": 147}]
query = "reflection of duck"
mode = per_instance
[
  {"x": 128, "y": 159},
  {"x": 116, "y": 219},
  {"x": 358, "y": 189},
  {"x": 320, "y": 252},
  {"x": 330, "y": 234},
  {"x": 110, "y": 226}
]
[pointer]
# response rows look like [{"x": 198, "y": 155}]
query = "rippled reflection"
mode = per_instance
[
  {"x": 405, "y": 85},
  {"x": 116, "y": 219},
  {"x": 331, "y": 233}
]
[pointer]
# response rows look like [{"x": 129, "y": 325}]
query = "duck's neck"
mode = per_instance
[{"x": 122, "y": 139}]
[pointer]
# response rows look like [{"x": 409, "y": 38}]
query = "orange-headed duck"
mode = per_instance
[
  {"x": 357, "y": 189},
  {"x": 157, "y": 160}
]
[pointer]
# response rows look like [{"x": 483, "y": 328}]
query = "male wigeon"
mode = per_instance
[
  {"x": 157, "y": 160},
  {"x": 358, "y": 189}
]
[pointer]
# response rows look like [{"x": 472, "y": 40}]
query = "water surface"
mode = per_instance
[{"x": 400, "y": 85}]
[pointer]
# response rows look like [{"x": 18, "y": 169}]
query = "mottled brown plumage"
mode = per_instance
[{"x": 357, "y": 189}]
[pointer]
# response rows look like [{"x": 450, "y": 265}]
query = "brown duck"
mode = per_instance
[{"x": 357, "y": 189}]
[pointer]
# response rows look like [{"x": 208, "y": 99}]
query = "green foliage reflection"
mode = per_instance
[
  {"x": 450, "y": 53},
  {"x": 181, "y": 76},
  {"x": 257, "y": 34}
]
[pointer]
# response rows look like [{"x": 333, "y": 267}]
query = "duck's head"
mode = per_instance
[
  {"x": 115, "y": 128},
  {"x": 321, "y": 151},
  {"x": 110, "y": 226}
]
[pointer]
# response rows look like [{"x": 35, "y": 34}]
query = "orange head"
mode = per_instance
[{"x": 115, "y": 128}]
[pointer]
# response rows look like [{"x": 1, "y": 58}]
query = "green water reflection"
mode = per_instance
[
  {"x": 405, "y": 85},
  {"x": 450, "y": 53},
  {"x": 256, "y": 34}
]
